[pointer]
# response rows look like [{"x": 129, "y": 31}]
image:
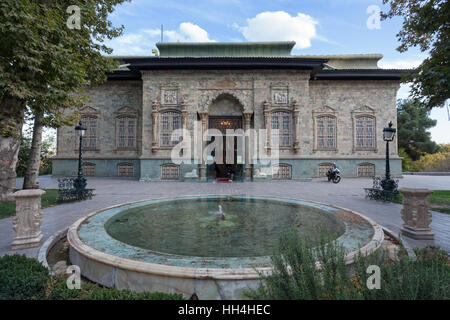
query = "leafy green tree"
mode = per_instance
[
  {"x": 46, "y": 152},
  {"x": 426, "y": 25},
  {"x": 43, "y": 61},
  {"x": 413, "y": 122}
]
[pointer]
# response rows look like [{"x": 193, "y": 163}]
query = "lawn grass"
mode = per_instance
[
  {"x": 438, "y": 197},
  {"x": 50, "y": 198}
]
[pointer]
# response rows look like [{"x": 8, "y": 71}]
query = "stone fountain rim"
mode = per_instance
[{"x": 201, "y": 273}]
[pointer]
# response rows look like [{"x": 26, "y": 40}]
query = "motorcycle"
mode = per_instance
[{"x": 334, "y": 175}]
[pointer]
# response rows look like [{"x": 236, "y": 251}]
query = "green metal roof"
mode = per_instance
[{"x": 225, "y": 49}]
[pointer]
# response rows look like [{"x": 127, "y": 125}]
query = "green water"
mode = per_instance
[{"x": 193, "y": 227}]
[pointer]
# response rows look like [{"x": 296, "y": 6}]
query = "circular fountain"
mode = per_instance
[{"x": 214, "y": 246}]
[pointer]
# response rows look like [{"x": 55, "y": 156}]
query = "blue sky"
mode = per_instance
[{"x": 318, "y": 27}]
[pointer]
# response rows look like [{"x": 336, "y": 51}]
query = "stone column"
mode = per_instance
[
  {"x": 204, "y": 118},
  {"x": 184, "y": 119},
  {"x": 247, "y": 125},
  {"x": 28, "y": 218},
  {"x": 268, "y": 125},
  {"x": 416, "y": 214},
  {"x": 296, "y": 114},
  {"x": 155, "y": 125},
  {"x": 184, "y": 113}
]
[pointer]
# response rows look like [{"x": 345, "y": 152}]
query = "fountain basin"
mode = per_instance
[{"x": 178, "y": 245}]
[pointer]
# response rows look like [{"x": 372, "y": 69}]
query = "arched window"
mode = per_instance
[
  {"x": 88, "y": 169},
  {"x": 326, "y": 132},
  {"x": 282, "y": 171},
  {"x": 126, "y": 122},
  {"x": 169, "y": 172},
  {"x": 126, "y": 132},
  {"x": 323, "y": 168},
  {"x": 366, "y": 170},
  {"x": 125, "y": 170},
  {"x": 168, "y": 122},
  {"x": 90, "y": 122},
  {"x": 282, "y": 120},
  {"x": 365, "y": 132}
]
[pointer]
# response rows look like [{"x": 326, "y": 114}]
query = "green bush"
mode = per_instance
[
  {"x": 89, "y": 291},
  {"x": 22, "y": 278},
  {"x": 427, "y": 277},
  {"x": 295, "y": 276}
]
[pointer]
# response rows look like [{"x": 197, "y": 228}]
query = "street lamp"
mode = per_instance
[
  {"x": 79, "y": 183},
  {"x": 388, "y": 135}
]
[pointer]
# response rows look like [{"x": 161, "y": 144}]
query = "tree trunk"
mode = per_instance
[
  {"x": 31, "y": 179},
  {"x": 11, "y": 122}
]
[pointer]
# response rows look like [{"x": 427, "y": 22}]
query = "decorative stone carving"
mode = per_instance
[
  {"x": 169, "y": 96},
  {"x": 248, "y": 167},
  {"x": 155, "y": 116},
  {"x": 225, "y": 84},
  {"x": 204, "y": 118},
  {"x": 296, "y": 114},
  {"x": 267, "y": 125},
  {"x": 89, "y": 110},
  {"x": 416, "y": 214},
  {"x": 28, "y": 218},
  {"x": 280, "y": 96},
  {"x": 244, "y": 96}
]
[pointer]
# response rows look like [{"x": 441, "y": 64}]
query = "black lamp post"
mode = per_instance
[
  {"x": 387, "y": 183},
  {"x": 79, "y": 183}
]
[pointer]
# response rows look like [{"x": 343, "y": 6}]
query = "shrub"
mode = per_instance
[
  {"x": 439, "y": 162},
  {"x": 296, "y": 277},
  {"x": 89, "y": 291},
  {"x": 407, "y": 163},
  {"x": 22, "y": 278},
  {"x": 426, "y": 278}
]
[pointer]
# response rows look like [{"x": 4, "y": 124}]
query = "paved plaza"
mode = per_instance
[{"x": 348, "y": 194}]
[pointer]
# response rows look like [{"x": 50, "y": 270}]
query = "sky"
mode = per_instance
[{"x": 317, "y": 26}]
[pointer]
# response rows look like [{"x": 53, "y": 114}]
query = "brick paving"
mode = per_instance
[{"x": 348, "y": 193}]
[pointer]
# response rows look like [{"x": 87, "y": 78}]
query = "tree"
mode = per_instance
[
  {"x": 413, "y": 122},
  {"x": 30, "y": 180},
  {"x": 47, "y": 151},
  {"x": 43, "y": 63},
  {"x": 426, "y": 24}
]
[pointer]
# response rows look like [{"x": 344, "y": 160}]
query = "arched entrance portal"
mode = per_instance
[{"x": 225, "y": 114}]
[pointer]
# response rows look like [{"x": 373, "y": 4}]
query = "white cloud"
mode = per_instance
[
  {"x": 142, "y": 42},
  {"x": 187, "y": 32},
  {"x": 132, "y": 44},
  {"x": 399, "y": 64},
  {"x": 280, "y": 25}
]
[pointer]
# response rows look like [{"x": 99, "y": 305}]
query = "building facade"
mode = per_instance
[{"x": 324, "y": 109}]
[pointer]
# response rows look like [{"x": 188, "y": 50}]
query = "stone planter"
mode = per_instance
[
  {"x": 28, "y": 218},
  {"x": 416, "y": 214}
]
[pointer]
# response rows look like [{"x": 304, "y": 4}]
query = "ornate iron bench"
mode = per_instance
[
  {"x": 67, "y": 192},
  {"x": 377, "y": 192}
]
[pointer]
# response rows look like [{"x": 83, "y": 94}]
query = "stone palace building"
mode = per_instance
[{"x": 326, "y": 109}]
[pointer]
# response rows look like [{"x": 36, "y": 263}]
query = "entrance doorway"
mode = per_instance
[{"x": 229, "y": 167}]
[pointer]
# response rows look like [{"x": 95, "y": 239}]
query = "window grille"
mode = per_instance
[
  {"x": 283, "y": 122},
  {"x": 365, "y": 132},
  {"x": 282, "y": 172},
  {"x": 323, "y": 169},
  {"x": 88, "y": 169},
  {"x": 169, "y": 121},
  {"x": 366, "y": 170},
  {"x": 90, "y": 137},
  {"x": 326, "y": 132},
  {"x": 126, "y": 132},
  {"x": 125, "y": 170}
]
